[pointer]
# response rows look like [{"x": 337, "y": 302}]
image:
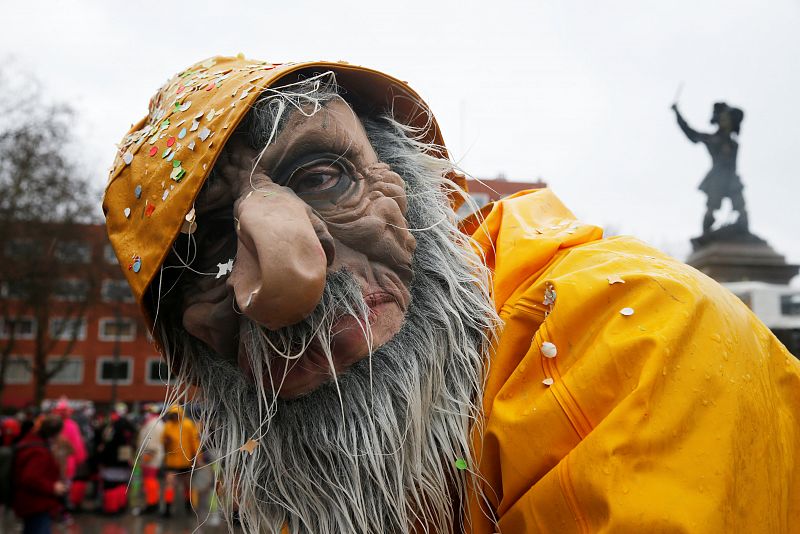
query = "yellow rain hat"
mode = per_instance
[{"x": 164, "y": 160}]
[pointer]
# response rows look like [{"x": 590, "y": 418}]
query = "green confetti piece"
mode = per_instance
[
  {"x": 180, "y": 175},
  {"x": 165, "y": 153},
  {"x": 176, "y": 163},
  {"x": 461, "y": 464},
  {"x": 165, "y": 124}
]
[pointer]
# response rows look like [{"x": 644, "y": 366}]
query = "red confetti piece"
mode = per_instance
[
  {"x": 181, "y": 87},
  {"x": 210, "y": 86},
  {"x": 170, "y": 141},
  {"x": 148, "y": 211},
  {"x": 153, "y": 151}
]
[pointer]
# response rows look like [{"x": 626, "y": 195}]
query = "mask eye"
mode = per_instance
[
  {"x": 320, "y": 179},
  {"x": 316, "y": 177}
]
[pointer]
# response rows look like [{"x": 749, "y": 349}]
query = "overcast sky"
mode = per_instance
[{"x": 574, "y": 93}]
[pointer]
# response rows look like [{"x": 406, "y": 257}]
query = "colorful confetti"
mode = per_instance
[
  {"x": 249, "y": 447},
  {"x": 153, "y": 151},
  {"x": 127, "y": 157},
  {"x": 549, "y": 296},
  {"x": 204, "y": 133},
  {"x": 148, "y": 211},
  {"x": 138, "y": 191},
  {"x": 461, "y": 464}
]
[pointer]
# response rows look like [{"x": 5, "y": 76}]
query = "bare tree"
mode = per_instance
[{"x": 44, "y": 205}]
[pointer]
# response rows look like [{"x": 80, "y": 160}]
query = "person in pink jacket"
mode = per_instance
[{"x": 76, "y": 452}]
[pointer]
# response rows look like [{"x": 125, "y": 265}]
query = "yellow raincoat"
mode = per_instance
[{"x": 672, "y": 408}]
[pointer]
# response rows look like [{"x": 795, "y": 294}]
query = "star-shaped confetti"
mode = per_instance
[{"x": 224, "y": 268}]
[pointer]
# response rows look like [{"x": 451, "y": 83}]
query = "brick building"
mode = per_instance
[
  {"x": 112, "y": 323},
  {"x": 488, "y": 190}
]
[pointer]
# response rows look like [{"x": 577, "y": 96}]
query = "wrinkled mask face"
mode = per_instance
[
  {"x": 316, "y": 206},
  {"x": 333, "y": 326}
]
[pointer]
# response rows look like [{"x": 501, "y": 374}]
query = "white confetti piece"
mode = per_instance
[
  {"x": 615, "y": 279},
  {"x": 195, "y": 125},
  {"x": 127, "y": 212},
  {"x": 190, "y": 146},
  {"x": 627, "y": 312},
  {"x": 204, "y": 133},
  {"x": 165, "y": 195},
  {"x": 210, "y": 115},
  {"x": 549, "y": 350},
  {"x": 224, "y": 268},
  {"x": 127, "y": 157},
  {"x": 548, "y": 381},
  {"x": 186, "y": 105}
]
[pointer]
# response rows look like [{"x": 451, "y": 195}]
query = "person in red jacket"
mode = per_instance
[{"x": 38, "y": 488}]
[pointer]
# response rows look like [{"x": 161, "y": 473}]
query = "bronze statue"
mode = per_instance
[{"x": 722, "y": 180}]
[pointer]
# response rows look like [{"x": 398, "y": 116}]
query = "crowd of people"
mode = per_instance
[{"x": 63, "y": 461}]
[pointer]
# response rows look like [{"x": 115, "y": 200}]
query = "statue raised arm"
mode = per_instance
[{"x": 722, "y": 180}]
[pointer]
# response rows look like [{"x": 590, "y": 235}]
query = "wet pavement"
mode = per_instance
[{"x": 127, "y": 524}]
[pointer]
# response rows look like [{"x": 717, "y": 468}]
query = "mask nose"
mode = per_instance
[{"x": 279, "y": 273}]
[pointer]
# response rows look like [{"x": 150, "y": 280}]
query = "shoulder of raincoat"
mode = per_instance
[{"x": 627, "y": 392}]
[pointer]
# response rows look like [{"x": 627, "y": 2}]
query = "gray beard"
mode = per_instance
[{"x": 375, "y": 449}]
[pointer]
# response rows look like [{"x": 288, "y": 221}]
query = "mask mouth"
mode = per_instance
[{"x": 299, "y": 357}]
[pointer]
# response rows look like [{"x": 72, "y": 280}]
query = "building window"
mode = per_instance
[
  {"x": 68, "y": 328},
  {"x": 480, "y": 199},
  {"x": 18, "y": 370},
  {"x": 746, "y": 298},
  {"x": 116, "y": 291},
  {"x": 71, "y": 289},
  {"x": 790, "y": 304},
  {"x": 23, "y": 327},
  {"x": 70, "y": 370},
  {"x": 22, "y": 248},
  {"x": 108, "y": 370},
  {"x": 112, "y": 329},
  {"x": 158, "y": 372},
  {"x": 73, "y": 252},
  {"x": 109, "y": 255},
  {"x": 13, "y": 291}
]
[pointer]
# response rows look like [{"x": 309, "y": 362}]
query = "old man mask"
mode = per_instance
[{"x": 315, "y": 297}]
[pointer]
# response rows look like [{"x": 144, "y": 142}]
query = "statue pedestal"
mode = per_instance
[{"x": 728, "y": 255}]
